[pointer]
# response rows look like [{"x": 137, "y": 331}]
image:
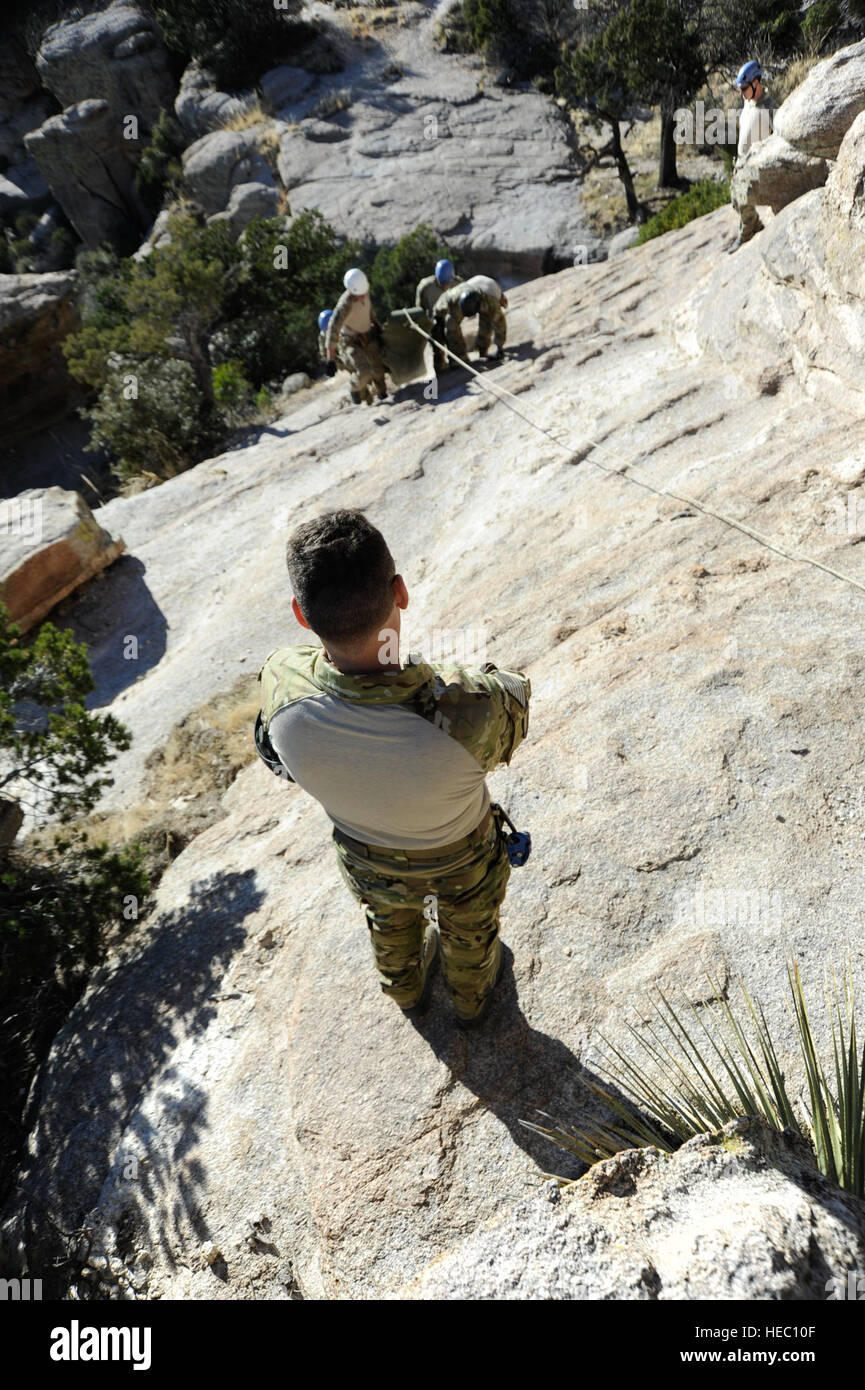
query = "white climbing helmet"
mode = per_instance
[{"x": 355, "y": 281}]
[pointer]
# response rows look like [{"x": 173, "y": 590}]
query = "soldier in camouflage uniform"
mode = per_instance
[
  {"x": 354, "y": 329},
  {"x": 429, "y": 292},
  {"x": 480, "y": 295},
  {"x": 398, "y": 756}
]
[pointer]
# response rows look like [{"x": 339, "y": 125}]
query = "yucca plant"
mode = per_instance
[{"x": 702, "y": 1069}]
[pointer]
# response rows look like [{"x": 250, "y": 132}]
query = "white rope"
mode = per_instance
[{"x": 622, "y": 472}]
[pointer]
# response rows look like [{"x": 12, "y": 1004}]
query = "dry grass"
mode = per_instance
[
  {"x": 185, "y": 780},
  {"x": 251, "y": 116},
  {"x": 792, "y": 76}
]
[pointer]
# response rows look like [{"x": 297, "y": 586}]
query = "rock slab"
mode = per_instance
[
  {"x": 741, "y": 1214},
  {"x": 53, "y": 544}
]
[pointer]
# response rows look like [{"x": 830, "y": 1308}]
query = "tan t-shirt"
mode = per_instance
[{"x": 384, "y": 776}]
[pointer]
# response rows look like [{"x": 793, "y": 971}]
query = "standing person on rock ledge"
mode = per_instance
[
  {"x": 755, "y": 126},
  {"x": 397, "y": 754},
  {"x": 354, "y": 328}
]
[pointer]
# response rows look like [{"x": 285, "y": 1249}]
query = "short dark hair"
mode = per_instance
[{"x": 341, "y": 571}]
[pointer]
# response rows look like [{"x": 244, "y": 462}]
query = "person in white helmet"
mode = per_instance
[
  {"x": 755, "y": 126},
  {"x": 353, "y": 328}
]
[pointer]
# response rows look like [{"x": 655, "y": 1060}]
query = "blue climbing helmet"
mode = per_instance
[
  {"x": 324, "y": 319},
  {"x": 748, "y": 73},
  {"x": 444, "y": 272}
]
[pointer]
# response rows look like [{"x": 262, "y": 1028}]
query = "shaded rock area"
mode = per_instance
[
  {"x": 36, "y": 314},
  {"x": 743, "y": 1214},
  {"x": 84, "y": 158},
  {"x": 234, "y": 1110},
  {"x": 53, "y": 546}
]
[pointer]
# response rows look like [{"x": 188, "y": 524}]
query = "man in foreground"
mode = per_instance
[{"x": 397, "y": 755}]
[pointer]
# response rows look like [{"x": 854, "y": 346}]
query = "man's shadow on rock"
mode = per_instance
[
  {"x": 122, "y": 624},
  {"x": 516, "y": 1072}
]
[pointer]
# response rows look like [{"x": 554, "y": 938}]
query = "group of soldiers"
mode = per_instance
[{"x": 351, "y": 338}]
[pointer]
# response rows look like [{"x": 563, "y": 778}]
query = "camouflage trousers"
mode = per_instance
[
  {"x": 363, "y": 360},
  {"x": 447, "y": 329},
  {"x": 464, "y": 884},
  {"x": 492, "y": 327}
]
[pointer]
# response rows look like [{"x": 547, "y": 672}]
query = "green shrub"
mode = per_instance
[
  {"x": 288, "y": 275},
  {"x": 54, "y": 909},
  {"x": 152, "y": 417},
  {"x": 691, "y": 1071},
  {"x": 236, "y": 39},
  {"x": 160, "y": 171},
  {"x": 63, "y": 245},
  {"x": 233, "y": 391},
  {"x": 49, "y": 743},
  {"x": 821, "y": 20},
  {"x": 396, "y": 270},
  {"x": 703, "y": 197}
]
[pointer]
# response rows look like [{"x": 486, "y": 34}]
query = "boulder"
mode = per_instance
[
  {"x": 818, "y": 113},
  {"x": 741, "y": 1214},
  {"x": 200, "y": 107},
  {"x": 249, "y": 200},
  {"x": 216, "y": 163},
  {"x": 36, "y": 313},
  {"x": 284, "y": 86},
  {"x": 116, "y": 55},
  {"x": 622, "y": 241},
  {"x": 297, "y": 381},
  {"x": 55, "y": 545},
  {"x": 774, "y": 173},
  {"x": 494, "y": 173},
  {"x": 794, "y": 297},
  {"x": 85, "y": 161}
]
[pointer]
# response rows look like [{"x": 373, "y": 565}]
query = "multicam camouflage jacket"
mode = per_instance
[{"x": 485, "y": 709}]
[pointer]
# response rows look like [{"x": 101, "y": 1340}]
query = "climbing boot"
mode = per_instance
[{"x": 428, "y": 965}]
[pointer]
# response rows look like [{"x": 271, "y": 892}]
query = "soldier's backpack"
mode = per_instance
[{"x": 403, "y": 349}]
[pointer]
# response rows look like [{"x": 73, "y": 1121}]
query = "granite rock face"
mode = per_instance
[
  {"x": 234, "y": 1080},
  {"x": 742, "y": 1214},
  {"x": 200, "y": 107}
]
